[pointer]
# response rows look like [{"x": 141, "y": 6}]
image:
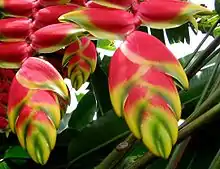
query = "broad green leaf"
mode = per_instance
[
  {"x": 97, "y": 135},
  {"x": 16, "y": 152},
  {"x": 179, "y": 34},
  {"x": 158, "y": 34},
  {"x": 106, "y": 44},
  {"x": 4, "y": 165},
  {"x": 99, "y": 82},
  {"x": 105, "y": 64},
  {"x": 217, "y": 6},
  {"x": 84, "y": 112}
]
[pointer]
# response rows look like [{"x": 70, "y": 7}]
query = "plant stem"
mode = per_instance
[
  {"x": 179, "y": 149},
  {"x": 117, "y": 154},
  {"x": 183, "y": 133},
  {"x": 206, "y": 105},
  {"x": 193, "y": 68},
  {"x": 177, "y": 154},
  {"x": 209, "y": 84},
  {"x": 216, "y": 161},
  {"x": 202, "y": 42}
]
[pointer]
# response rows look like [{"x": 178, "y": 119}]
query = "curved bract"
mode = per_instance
[
  {"x": 81, "y": 57},
  {"x": 143, "y": 92},
  {"x": 37, "y": 73},
  {"x": 125, "y": 4},
  {"x": 102, "y": 23},
  {"x": 168, "y": 13},
  {"x": 34, "y": 115},
  {"x": 55, "y": 37}
]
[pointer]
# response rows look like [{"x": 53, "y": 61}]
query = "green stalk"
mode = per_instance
[
  {"x": 117, "y": 154},
  {"x": 206, "y": 105},
  {"x": 216, "y": 161},
  {"x": 202, "y": 42},
  {"x": 179, "y": 149},
  {"x": 197, "y": 64},
  {"x": 183, "y": 133},
  {"x": 177, "y": 154}
]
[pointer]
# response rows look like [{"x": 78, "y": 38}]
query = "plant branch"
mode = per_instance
[
  {"x": 177, "y": 154},
  {"x": 202, "y": 42},
  {"x": 197, "y": 64},
  {"x": 179, "y": 149},
  {"x": 216, "y": 161},
  {"x": 117, "y": 154}
]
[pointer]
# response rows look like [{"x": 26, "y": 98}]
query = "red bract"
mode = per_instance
[
  {"x": 17, "y": 7},
  {"x": 52, "y": 2},
  {"x": 78, "y": 2},
  {"x": 120, "y": 4},
  {"x": 37, "y": 73},
  {"x": 92, "y": 4},
  {"x": 14, "y": 29},
  {"x": 168, "y": 13},
  {"x": 34, "y": 115},
  {"x": 50, "y": 15},
  {"x": 6, "y": 77},
  {"x": 83, "y": 58},
  {"x": 54, "y": 37},
  {"x": 102, "y": 22},
  {"x": 12, "y": 54}
]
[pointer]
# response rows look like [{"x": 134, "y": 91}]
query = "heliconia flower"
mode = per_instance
[
  {"x": 168, "y": 13},
  {"x": 14, "y": 29},
  {"x": 125, "y": 4},
  {"x": 102, "y": 23},
  {"x": 79, "y": 2},
  {"x": 149, "y": 116},
  {"x": 17, "y": 7},
  {"x": 49, "y": 15},
  {"x": 143, "y": 91},
  {"x": 12, "y": 54},
  {"x": 34, "y": 115},
  {"x": 37, "y": 73},
  {"x": 82, "y": 61},
  {"x": 53, "y": 2},
  {"x": 3, "y": 123},
  {"x": 55, "y": 37}
]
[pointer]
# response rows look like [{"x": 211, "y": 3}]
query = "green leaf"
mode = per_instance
[
  {"x": 99, "y": 83},
  {"x": 105, "y": 64},
  {"x": 217, "y": 6},
  {"x": 4, "y": 165},
  {"x": 179, "y": 34},
  {"x": 84, "y": 112},
  {"x": 158, "y": 34},
  {"x": 106, "y": 44},
  {"x": 16, "y": 152},
  {"x": 97, "y": 135}
]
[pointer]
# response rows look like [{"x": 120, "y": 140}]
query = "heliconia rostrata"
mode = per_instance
[{"x": 141, "y": 72}]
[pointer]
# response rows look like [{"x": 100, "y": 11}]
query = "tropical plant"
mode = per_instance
[{"x": 42, "y": 42}]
